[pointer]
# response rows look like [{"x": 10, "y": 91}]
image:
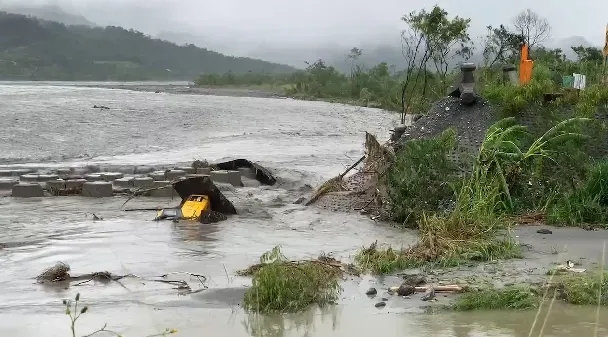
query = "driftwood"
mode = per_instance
[
  {"x": 337, "y": 180},
  {"x": 444, "y": 288},
  {"x": 61, "y": 273}
]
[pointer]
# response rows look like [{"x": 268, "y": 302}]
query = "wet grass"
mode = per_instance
[
  {"x": 582, "y": 289},
  {"x": 508, "y": 298},
  {"x": 279, "y": 285}
]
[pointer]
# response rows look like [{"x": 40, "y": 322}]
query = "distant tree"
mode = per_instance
[
  {"x": 444, "y": 38},
  {"x": 534, "y": 28},
  {"x": 585, "y": 54},
  {"x": 499, "y": 45},
  {"x": 353, "y": 56}
]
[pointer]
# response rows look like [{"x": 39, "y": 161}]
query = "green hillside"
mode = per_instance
[{"x": 33, "y": 49}]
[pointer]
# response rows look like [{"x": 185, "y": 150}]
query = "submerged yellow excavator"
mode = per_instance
[{"x": 191, "y": 208}]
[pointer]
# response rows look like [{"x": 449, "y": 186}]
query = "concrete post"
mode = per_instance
[
  {"x": 509, "y": 74},
  {"x": 467, "y": 85}
]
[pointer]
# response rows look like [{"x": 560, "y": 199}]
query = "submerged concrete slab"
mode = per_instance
[
  {"x": 75, "y": 183},
  {"x": 29, "y": 178},
  {"x": 174, "y": 174},
  {"x": 93, "y": 177},
  {"x": 203, "y": 170},
  {"x": 124, "y": 182},
  {"x": 47, "y": 177},
  {"x": 58, "y": 184},
  {"x": 8, "y": 183},
  {"x": 111, "y": 176},
  {"x": 158, "y": 176},
  {"x": 63, "y": 172},
  {"x": 167, "y": 192},
  {"x": 187, "y": 169},
  {"x": 27, "y": 190},
  {"x": 229, "y": 177},
  {"x": 143, "y": 169},
  {"x": 97, "y": 189},
  {"x": 143, "y": 182},
  {"x": 247, "y": 172}
]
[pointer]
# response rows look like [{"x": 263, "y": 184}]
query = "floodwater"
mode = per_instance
[{"x": 53, "y": 125}]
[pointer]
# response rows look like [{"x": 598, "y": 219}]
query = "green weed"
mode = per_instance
[
  {"x": 508, "y": 298},
  {"x": 280, "y": 285}
]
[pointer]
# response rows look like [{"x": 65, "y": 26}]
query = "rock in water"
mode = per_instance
[
  {"x": 414, "y": 280},
  {"x": 380, "y": 305},
  {"x": 371, "y": 292},
  {"x": 429, "y": 294},
  {"x": 544, "y": 231},
  {"x": 405, "y": 290}
]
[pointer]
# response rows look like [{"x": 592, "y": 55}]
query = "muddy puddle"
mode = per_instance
[{"x": 52, "y": 126}]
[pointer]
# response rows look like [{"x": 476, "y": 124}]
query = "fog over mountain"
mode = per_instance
[{"x": 295, "y": 32}]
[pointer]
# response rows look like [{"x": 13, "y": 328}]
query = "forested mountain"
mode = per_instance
[
  {"x": 46, "y": 12},
  {"x": 44, "y": 50}
]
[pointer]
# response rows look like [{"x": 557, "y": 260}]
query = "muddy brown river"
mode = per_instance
[{"x": 51, "y": 125}]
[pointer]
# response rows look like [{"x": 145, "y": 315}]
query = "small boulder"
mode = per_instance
[
  {"x": 429, "y": 294},
  {"x": 405, "y": 290},
  {"x": 544, "y": 231},
  {"x": 371, "y": 292},
  {"x": 380, "y": 305}
]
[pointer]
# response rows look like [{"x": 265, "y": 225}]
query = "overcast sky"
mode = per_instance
[{"x": 320, "y": 22}]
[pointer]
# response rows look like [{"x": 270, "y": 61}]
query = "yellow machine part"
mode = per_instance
[{"x": 194, "y": 206}]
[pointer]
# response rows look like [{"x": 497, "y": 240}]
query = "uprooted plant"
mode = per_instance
[{"x": 280, "y": 285}]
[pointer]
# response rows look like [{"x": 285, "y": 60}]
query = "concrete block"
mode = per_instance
[
  {"x": 229, "y": 177},
  {"x": 47, "y": 177},
  {"x": 93, "y": 177},
  {"x": 174, "y": 174},
  {"x": 6, "y": 173},
  {"x": 75, "y": 184},
  {"x": 163, "y": 193},
  {"x": 124, "y": 182},
  {"x": 97, "y": 189},
  {"x": 8, "y": 183},
  {"x": 58, "y": 184},
  {"x": 111, "y": 176},
  {"x": 143, "y": 169},
  {"x": 203, "y": 170},
  {"x": 27, "y": 190},
  {"x": 187, "y": 169},
  {"x": 158, "y": 176},
  {"x": 63, "y": 172},
  {"x": 14, "y": 172},
  {"x": 247, "y": 172},
  {"x": 29, "y": 178},
  {"x": 143, "y": 182}
]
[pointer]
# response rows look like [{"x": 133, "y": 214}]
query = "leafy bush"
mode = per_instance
[
  {"x": 420, "y": 178},
  {"x": 587, "y": 205}
]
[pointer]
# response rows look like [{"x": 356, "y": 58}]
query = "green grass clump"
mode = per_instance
[
  {"x": 508, "y": 298},
  {"x": 513, "y": 100},
  {"x": 582, "y": 289},
  {"x": 279, "y": 285},
  {"x": 586, "y": 205},
  {"x": 420, "y": 178}
]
